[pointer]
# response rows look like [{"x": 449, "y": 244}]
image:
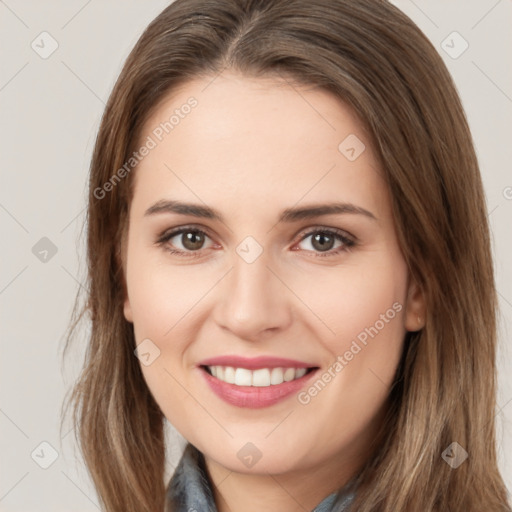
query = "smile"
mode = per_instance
[
  {"x": 262, "y": 377},
  {"x": 255, "y": 382}
]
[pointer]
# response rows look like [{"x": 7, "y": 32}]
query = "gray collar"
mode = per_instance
[{"x": 190, "y": 489}]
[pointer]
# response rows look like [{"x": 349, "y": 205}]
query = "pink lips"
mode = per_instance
[
  {"x": 252, "y": 396},
  {"x": 253, "y": 363}
]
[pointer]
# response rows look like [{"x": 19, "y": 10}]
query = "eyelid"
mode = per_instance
[
  {"x": 315, "y": 228},
  {"x": 166, "y": 233},
  {"x": 298, "y": 237}
]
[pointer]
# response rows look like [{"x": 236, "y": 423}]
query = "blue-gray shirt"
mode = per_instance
[{"x": 190, "y": 490}]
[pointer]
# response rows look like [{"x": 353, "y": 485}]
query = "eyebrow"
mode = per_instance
[{"x": 288, "y": 215}]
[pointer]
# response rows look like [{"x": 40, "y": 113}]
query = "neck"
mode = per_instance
[
  {"x": 298, "y": 490},
  {"x": 295, "y": 491}
]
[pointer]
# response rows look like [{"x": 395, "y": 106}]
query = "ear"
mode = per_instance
[
  {"x": 127, "y": 310},
  {"x": 121, "y": 261},
  {"x": 415, "y": 310}
]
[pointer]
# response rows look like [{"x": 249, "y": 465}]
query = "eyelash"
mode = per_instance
[{"x": 336, "y": 233}]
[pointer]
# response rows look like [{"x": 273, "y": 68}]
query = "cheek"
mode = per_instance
[
  {"x": 162, "y": 300},
  {"x": 372, "y": 310},
  {"x": 356, "y": 302},
  {"x": 365, "y": 309},
  {"x": 162, "y": 296}
]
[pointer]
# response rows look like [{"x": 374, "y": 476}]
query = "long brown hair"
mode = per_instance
[{"x": 375, "y": 59}]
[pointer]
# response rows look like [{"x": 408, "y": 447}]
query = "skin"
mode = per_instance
[{"x": 250, "y": 149}]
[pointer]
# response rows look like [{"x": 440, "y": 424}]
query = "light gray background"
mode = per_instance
[{"x": 50, "y": 112}]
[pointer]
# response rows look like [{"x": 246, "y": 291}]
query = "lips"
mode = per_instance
[
  {"x": 255, "y": 382},
  {"x": 254, "y": 363}
]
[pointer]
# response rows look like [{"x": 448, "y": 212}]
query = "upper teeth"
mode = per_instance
[{"x": 261, "y": 377}]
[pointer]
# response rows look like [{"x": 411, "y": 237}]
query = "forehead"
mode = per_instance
[{"x": 252, "y": 139}]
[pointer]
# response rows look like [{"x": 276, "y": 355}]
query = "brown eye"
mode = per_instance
[
  {"x": 192, "y": 240},
  {"x": 184, "y": 241},
  {"x": 323, "y": 242},
  {"x": 327, "y": 242}
]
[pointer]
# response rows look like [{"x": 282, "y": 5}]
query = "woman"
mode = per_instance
[{"x": 324, "y": 335}]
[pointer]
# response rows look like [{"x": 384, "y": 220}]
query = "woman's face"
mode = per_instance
[{"x": 271, "y": 281}]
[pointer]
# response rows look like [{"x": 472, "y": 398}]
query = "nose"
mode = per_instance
[{"x": 253, "y": 301}]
